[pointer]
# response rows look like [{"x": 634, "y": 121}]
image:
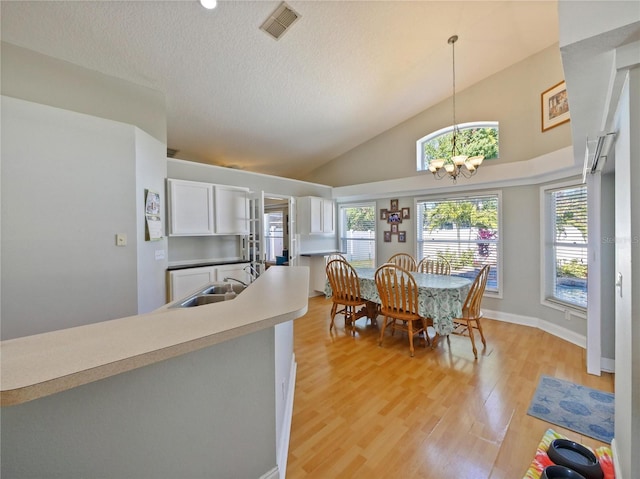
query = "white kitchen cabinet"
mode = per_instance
[
  {"x": 202, "y": 209},
  {"x": 231, "y": 208},
  {"x": 183, "y": 282},
  {"x": 316, "y": 215},
  {"x": 236, "y": 271},
  {"x": 190, "y": 208}
]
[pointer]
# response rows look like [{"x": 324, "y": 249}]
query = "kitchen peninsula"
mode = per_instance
[{"x": 179, "y": 392}]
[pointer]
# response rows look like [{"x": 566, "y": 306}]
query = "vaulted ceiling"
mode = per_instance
[{"x": 343, "y": 73}]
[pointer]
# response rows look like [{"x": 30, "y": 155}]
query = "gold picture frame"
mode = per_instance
[{"x": 554, "y": 106}]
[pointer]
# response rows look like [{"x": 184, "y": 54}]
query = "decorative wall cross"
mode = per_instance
[{"x": 394, "y": 217}]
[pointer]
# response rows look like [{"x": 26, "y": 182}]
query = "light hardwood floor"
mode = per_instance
[{"x": 364, "y": 411}]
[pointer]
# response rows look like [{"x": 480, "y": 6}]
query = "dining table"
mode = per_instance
[{"x": 440, "y": 297}]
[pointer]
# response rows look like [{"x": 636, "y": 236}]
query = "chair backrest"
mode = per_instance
[
  {"x": 398, "y": 291},
  {"x": 343, "y": 279},
  {"x": 437, "y": 265},
  {"x": 404, "y": 260},
  {"x": 333, "y": 256},
  {"x": 471, "y": 307}
]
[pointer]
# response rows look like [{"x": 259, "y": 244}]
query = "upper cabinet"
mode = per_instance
[
  {"x": 316, "y": 215},
  {"x": 231, "y": 206},
  {"x": 190, "y": 208},
  {"x": 201, "y": 209}
]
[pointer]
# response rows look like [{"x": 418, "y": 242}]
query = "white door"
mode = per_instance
[
  {"x": 293, "y": 235},
  {"x": 255, "y": 241}
]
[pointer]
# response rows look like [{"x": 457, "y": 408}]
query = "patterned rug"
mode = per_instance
[{"x": 579, "y": 408}]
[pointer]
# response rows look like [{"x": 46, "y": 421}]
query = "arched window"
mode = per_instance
[{"x": 475, "y": 138}]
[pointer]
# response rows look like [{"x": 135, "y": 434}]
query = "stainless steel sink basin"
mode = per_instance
[
  {"x": 221, "y": 288},
  {"x": 211, "y": 294}
]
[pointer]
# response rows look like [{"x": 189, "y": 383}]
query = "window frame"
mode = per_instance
[
  {"x": 547, "y": 263},
  {"x": 420, "y": 162},
  {"x": 341, "y": 225},
  {"x": 499, "y": 244}
]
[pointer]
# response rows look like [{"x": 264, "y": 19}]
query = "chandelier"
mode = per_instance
[{"x": 457, "y": 164}]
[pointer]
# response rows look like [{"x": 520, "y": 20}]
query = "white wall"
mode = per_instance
[
  {"x": 511, "y": 97},
  {"x": 29, "y": 75},
  {"x": 151, "y": 170},
  {"x": 68, "y": 186},
  {"x": 204, "y": 414}
]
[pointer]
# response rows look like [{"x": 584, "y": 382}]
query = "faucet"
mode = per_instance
[
  {"x": 251, "y": 271},
  {"x": 236, "y": 280}
]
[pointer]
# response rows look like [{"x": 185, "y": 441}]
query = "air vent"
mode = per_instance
[
  {"x": 280, "y": 21},
  {"x": 171, "y": 153}
]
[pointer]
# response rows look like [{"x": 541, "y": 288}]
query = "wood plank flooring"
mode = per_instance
[{"x": 364, "y": 411}]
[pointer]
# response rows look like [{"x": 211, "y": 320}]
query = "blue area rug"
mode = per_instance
[{"x": 579, "y": 408}]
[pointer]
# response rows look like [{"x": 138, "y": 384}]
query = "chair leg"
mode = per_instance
[
  {"x": 425, "y": 332},
  {"x": 410, "y": 329},
  {"x": 384, "y": 325},
  {"x": 484, "y": 342},
  {"x": 334, "y": 307},
  {"x": 473, "y": 341}
]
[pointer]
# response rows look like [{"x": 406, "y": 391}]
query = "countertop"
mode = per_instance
[
  {"x": 321, "y": 253},
  {"x": 44, "y": 364},
  {"x": 201, "y": 263}
]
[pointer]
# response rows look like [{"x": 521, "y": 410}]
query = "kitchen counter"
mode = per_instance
[
  {"x": 44, "y": 364},
  {"x": 321, "y": 253}
]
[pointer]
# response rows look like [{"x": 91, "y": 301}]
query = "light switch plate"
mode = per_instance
[{"x": 121, "y": 239}]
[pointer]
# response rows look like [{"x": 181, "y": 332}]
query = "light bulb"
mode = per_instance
[{"x": 209, "y": 4}]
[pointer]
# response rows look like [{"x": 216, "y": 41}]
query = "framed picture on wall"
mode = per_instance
[
  {"x": 394, "y": 217},
  {"x": 405, "y": 213},
  {"x": 394, "y": 228},
  {"x": 383, "y": 214},
  {"x": 387, "y": 236},
  {"x": 554, "y": 106},
  {"x": 402, "y": 236},
  {"x": 394, "y": 205}
]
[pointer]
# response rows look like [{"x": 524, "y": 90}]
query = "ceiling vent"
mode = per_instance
[{"x": 280, "y": 21}]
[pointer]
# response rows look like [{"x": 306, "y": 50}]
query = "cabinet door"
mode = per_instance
[
  {"x": 190, "y": 208},
  {"x": 231, "y": 210},
  {"x": 235, "y": 271},
  {"x": 328, "y": 216},
  {"x": 183, "y": 282},
  {"x": 316, "y": 212}
]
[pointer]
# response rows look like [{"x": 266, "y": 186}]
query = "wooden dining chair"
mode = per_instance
[
  {"x": 437, "y": 265},
  {"x": 345, "y": 292},
  {"x": 398, "y": 293},
  {"x": 333, "y": 256},
  {"x": 404, "y": 260},
  {"x": 471, "y": 312}
]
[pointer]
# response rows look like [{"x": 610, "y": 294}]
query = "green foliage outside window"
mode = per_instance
[
  {"x": 360, "y": 218},
  {"x": 470, "y": 142}
]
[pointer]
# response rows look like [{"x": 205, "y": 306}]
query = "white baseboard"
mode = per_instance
[
  {"x": 616, "y": 461},
  {"x": 608, "y": 365},
  {"x": 283, "y": 447},
  {"x": 272, "y": 474},
  {"x": 551, "y": 328}
]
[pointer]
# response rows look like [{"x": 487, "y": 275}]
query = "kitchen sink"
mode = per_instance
[{"x": 211, "y": 294}]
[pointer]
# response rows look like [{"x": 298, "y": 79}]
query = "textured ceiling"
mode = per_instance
[{"x": 344, "y": 73}]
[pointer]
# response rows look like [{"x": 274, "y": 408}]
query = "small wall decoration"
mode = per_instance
[
  {"x": 554, "y": 106},
  {"x": 153, "y": 220},
  {"x": 394, "y": 217}
]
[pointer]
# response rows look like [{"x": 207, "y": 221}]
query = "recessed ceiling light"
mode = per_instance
[{"x": 209, "y": 4}]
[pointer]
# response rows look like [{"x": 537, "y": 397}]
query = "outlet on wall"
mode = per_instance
[{"x": 121, "y": 239}]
